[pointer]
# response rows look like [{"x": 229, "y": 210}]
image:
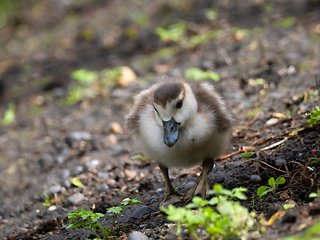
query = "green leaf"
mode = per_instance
[
  {"x": 313, "y": 195},
  {"x": 280, "y": 180},
  {"x": 288, "y": 206},
  {"x": 247, "y": 154},
  {"x": 76, "y": 181},
  {"x": 262, "y": 189},
  {"x": 115, "y": 210},
  {"x": 9, "y": 114},
  {"x": 271, "y": 182}
]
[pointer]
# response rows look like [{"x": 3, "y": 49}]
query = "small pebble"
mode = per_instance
[
  {"x": 103, "y": 187},
  {"x": 66, "y": 184},
  {"x": 93, "y": 164},
  {"x": 76, "y": 198},
  {"x": 127, "y": 76},
  {"x": 60, "y": 159},
  {"x": 78, "y": 136},
  {"x": 103, "y": 175},
  {"x": 52, "y": 208},
  {"x": 141, "y": 211},
  {"x": 46, "y": 161},
  {"x": 280, "y": 162},
  {"x": 54, "y": 189},
  {"x": 64, "y": 174},
  {"x": 77, "y": 170},
  {"x": 137, "y": 236},
  {"x": 255, "y": 179}
]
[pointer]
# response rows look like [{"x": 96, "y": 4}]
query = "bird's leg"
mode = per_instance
[
  {"x": 171, "y": 195},
  {"x": 201, "y": 186}
]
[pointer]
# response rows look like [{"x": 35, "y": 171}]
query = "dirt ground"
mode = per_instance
[{"x": 49, "y": 143}]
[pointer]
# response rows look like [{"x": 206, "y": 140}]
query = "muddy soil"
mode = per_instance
[{"x": 49, "y": 143}]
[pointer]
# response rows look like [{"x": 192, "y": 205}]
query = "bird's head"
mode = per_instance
[{"x": 174, "y": 104}]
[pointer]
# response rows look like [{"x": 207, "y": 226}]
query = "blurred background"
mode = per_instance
[{"x": 69, "y": 69}]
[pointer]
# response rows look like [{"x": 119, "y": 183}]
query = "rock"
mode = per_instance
[
  {"x": 127, "y": 76},
  {"x": 64, "y": 174},
  {"x": 280, "y": 162},
  {"x": 103, "y": 187},
  {"x": 66, "y": 184},
  {"x": 52, "y": 208},
  {"x": 137, "y": 236},
  {"x": 59, "y": 159},
  {"x": 77, "y": 170},
  {"x": 93, "y": 164},
  {"x": 103, "y": 175},
  {"x": 78, "y": 136},
  {"x": 76, "y": 198},
  {"x": 54, "y": 189},
  {"x": 255, "y": 179},
  {"x": 141, "y": 211},
  {"x": 46, "y": 161}
]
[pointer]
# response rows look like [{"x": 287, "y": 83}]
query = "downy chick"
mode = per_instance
[{"x": 180, "y": 123}]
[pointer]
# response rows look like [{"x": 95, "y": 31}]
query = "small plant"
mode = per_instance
[
  {"x": 229, "y": 220},
  {"x": 314, "y": 195},
  {"x": 48, "y": 201},
  {"x": 90, "y": 220},
  {"x": 198, "y": 74},
  {"x": 264, "y": 190},
  {"x": 247, "y": 154},
  {"x": 91, "y": 84},
  {"x": 313, "y": 117}
]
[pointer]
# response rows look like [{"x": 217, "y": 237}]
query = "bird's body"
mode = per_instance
[{"x": 180, "y": 123}]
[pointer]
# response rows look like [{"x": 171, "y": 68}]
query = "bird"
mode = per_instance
[{"x": 180, "y": 123}]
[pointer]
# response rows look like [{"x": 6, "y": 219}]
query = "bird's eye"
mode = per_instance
[{"x": 179, "y": 104}]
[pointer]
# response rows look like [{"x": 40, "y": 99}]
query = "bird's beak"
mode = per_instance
[{"x": 171, "y": 132}]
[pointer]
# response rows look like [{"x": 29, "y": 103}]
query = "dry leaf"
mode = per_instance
[{"x": 274, "y": 217}]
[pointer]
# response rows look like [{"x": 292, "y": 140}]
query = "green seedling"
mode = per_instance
[
  {"x": 91, "y": 84},
  {"x": 9, "y": 114},
  {"x": 247, "y": 154},
  {"x": 313, "y": 117},
  {"x": 90, "y": 220},
  {"x": 48, "y": 201},
  {"x": 288, "y": 206},
  {"x": 227, "y": 220},
  {"x": 314, "y": 195},
  {"x": 198, "y": 74},
  {"x": 264, "y": 190}
]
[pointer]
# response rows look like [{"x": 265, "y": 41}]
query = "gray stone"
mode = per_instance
[
  {"x": 137, "y": 236},
  {"x": 46, "y": 161},
  {"x": 54, "y": 189},
  {"x": 280, "y": 162},
  {"x": 76, "y": 198},
  {"x": 63, "y": 174},
  {"x": 78, "y": 136},
  {"x": 60, "y": 159},
  {"x": 77, "y": 170},
  {"x": 103, "y": 187},
  {"x": 255, "y": 179},
  {"x": 93, "y": 164},
  {"x": 141, "y": 211},
  {"x": 103, "y": 175}
]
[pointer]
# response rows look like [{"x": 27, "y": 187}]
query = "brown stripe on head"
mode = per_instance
[{"x": 167, "y": 92}]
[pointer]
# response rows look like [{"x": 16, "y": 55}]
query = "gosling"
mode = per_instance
[{"x": 180, "y": 123}]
